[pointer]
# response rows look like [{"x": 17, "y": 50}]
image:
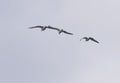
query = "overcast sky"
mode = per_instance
[{"x": 32, "y": 56}]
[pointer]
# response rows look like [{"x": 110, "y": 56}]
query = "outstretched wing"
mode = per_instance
[
  {"x": 35, "y": 27},
  {"x": 67, "y": 32},
  {"x": 93, "y": 40},
  {"x": 49, "y": 27},
  {"x": 84, "y": 38}
]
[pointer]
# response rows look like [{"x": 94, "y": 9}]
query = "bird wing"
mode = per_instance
[
  {"x": 49, "y": 27},
  {"x": 36, "y": 27},
  {"x": 93, "y": 40},
  {"x": 67, "y": 32},
  {"x": 84, "y": 38}
]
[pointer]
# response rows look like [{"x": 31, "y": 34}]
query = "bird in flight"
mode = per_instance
[
  {"x": 42, "y": 27},
  {"x": 50, "y": 27},
  {"x": 89, "y": 38},
  {"x": 60, "y": 31}
]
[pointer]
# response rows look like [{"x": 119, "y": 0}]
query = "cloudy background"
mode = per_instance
[{"x": 32, "y": 56}]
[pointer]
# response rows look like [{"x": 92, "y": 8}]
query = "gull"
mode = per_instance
[
  {"x": 50, "y": 27},
  {"x": 42, "y": 27},
  {"x": 60, "y": 31},
  {"x": 89, "y": 38}
]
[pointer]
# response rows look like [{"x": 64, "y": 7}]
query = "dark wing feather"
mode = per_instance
[
  {"x": 49, "y": 27},
  {"x": 67, "y": 32},
  {"x": 93, "y": 40},
  {"x": 36, "y": 27},
  {"x": 84, "y": 38}
]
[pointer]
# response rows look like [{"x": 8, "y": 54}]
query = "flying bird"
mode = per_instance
[
  {"x": 89, "y": 38},
  {"x": 42, "y": 27},
  {"x": 50, "y": 27},
  {"x": 60, "y": 31}
]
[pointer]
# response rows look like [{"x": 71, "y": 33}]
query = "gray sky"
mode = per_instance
[{"x": 32, "y": 56}]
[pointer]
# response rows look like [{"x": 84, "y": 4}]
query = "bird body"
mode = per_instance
[{"x": 89, "y": 38}]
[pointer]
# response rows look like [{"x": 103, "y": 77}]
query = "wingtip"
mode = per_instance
[
  {"x": 72, "y": 34},
  {"x": 98, "y": 42}
]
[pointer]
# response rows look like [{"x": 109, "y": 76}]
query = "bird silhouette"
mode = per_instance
[
  {"x": 60, "y": 31},
  {"x": 89, "y": 38},
  {"x": 42, "y": 27},
  {"x": 50, "y": 27}
]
